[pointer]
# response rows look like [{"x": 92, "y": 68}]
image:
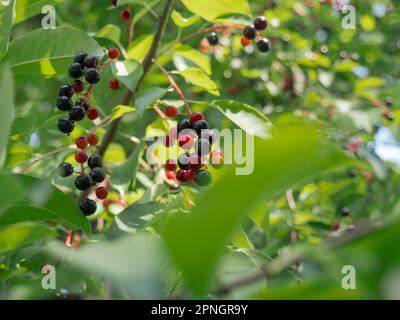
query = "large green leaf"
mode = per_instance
[
  {"x": 139, "y": 48},
  {"x": 6, "y": 21},
  {"x": 22, "y": 213},
  {"x": 198, "y": 78},
  {"x": 297, "y": 154},
  {"x": 128, "y": 72},
  {"x": 49, "y": 52},
  {"x": 195, "y": 57},
  {"x": 7, "y": 109},
  {"x": 110, "y": 32},
  {"x": 26, "y": 9},
  {"x": 147, "y": 97},
  {"x": 132, "y": 215},
  {"x": 182, "y": 22}
]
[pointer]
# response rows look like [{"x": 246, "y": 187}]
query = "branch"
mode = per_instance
[{"x": 147, "y": 63}]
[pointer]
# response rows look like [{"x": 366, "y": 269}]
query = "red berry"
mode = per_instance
[
  {"x": 336, "y": 226},
  {"x": 195, "y": 162},
  {"x": 113, "y": 84},
  {"x": 81, "y": 156},
  {"x": 114, "y": 2},
  {"x": 185, "y": 141},
  {"x": 171, "y": 111},
  {"x": 92, "y": 113},
  {"x": 101, "y": 193},
  {"x": 196, "y": 117},
  {"x": 81, "y": 142},
  {"x": 106, "y": 203},
  {"x": 189, "y": 175},
  {"x": 244, "y": 41},
  {"x": 126, "y": 14},
  {"x": 170, "y": 165},
  {"x": 77, "y": 86},
  {"x": 93, "y": 139},
  {"x": 170, "y": 175},
  {"x": 168, "y": 141},
  {"x": 181, "y": 176},
  {"x": 113, "y": 53}
]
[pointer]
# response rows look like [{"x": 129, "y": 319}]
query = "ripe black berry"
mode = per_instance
[
  {"x": 203, "y": 178},
  {"x": 88, "y": 207},
  {"x": 184, "y": 124},
  {"x": 212, "y": 38},
  {"x": 77, "y": 113},
  {"x": 83, "y": 182},
  {"x": 92, "y": 75},
  {"x": 66, "y": 90},
  {"x": 98, "y": 175},
  {"x": 75, "y": 71},
  {"x": 345, "y": 212},
  {"x": 250, "y": 32},
  {"x": 202, "y": 147},
  {"x": 95, "y": 161},
  {"x": 199, "y": 126},
  {"x": 260, "y": 23},
  {"x": 263, "y": 45},
  {"x": 183, "y": 161},
  {"x": 80, "y": 102},
  {"x": 65, "y": 125},
  {"x": 389, "y": 102},
  {"x": 91, "y": 62},
  {"x": 80, "y": 58},
  {"x": 64, "y": 103},
  {"x": 65, "y": 169}
]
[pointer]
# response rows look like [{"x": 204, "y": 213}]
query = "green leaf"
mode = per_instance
[
  {"x": 182, "y": 22},
  {"x": 194, "y": 56},
  {"x": 26, "y": 9},
  {"x": 23, "y": 234},
  {"x": 300, "y": 150},
  {"x": 126, "y": 171},
  {"x": 370, "y": 82},
  {"x": 132, "y": 215},
  {"x": 7, "y": 109},
  {"x": 139, "y": 48},
  {"x": 6, "y": 22},
  {"x": 147, "y": 97},
  {"x": 198, "y": 78},
  {"x": 120, "y": 110},
  {"x": 110, "y": 32},
  {"x": 246, "y": 117},
  {"x": 23, "y": 213},
  {"x": 49, "y": 52},
  {"x": 211, "y": 9},
  {"x": 128, "y": 72}
]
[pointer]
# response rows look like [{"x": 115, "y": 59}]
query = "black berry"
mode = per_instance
[
  {"x": 92, "y": 75},
  {"x": 75, "y": 71},
  {"x": 65, "y": 169},
  {"x": 199, "y": 126},
  {"x": 209, "y": 135},
  {"x": 91, "y": 62},
  {"x": 212, "y": 38},
  {"x": 95, "y": 161},
  {"x": 88, "y": 207},
  {"x": 64, "y": 103},
  {"x": 250, "y": 32},
  {"x": 263, "y": 45},
  {"x": 260, "y": 23},
  {"x": 183, "y": 125},
  {"x": 202, "y": 147},
  {"x": 183, "y": 161},
  {"x": 98, "y": 175},
  {"x": 77, "y": 113},
  {"x": 66, "y": 90},
  {"x": 389, "y": 102},
  {"x": 345, "y": 212},
  {"x": 80, "y": 58},
  {"x": 65, "y": 125},
  {"x": 83, "y": 182},
  {"x": 80, "y": 102},
  {"x": 203, "y": 178}
]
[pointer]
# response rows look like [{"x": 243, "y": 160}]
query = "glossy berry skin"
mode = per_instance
[
  {"x": 64, "y": 103},
  {"x": 203, "y": 178},
  {"x": 345, "y": 211},
  {"x": 81, "y": 142},
  {"x": 92, "y": 139},
  {"x": 88, "y": 207},
  {"x": 95, "y": 161},
  {"x": 83, "y": 182},
  {"x": 80, "y": 102},
  {"x": 65, "y": 125},
  {"x": 92, "y": 75},
  {"x": 170, "y": 175},
  {"x": 98, "y": 175},
  {"x": 199, "y": 126},
  {"x": 113, "y": 84},
  {"x": 263, "y": 45},
  {"x": 101, "y": 193},
  {"x": 81, "y": 156},
  {"x": 184, "y": 124},
  {"x": 260, "y": 23},
  {"x": 92, "y": 113},
  {"x": 196, "y": 116},
  {"x": 250, "y": 32},
  {"x": 174, "y": 187},
  {"x": 75, "y": 71},
  {"x": 77, "y": 86},
  {"x": 244, "y": 41},
  {"x": 66, "y": 90},
  {"x": 113, "y": 53},
  {"x": 212, "y": 38},
  {"x": 126, "y": 15},
  {"x": 183, "y": 161},
  {"x": 189, "y": 175},
  {"x": 170, "y": 165},
  {"x": 185, "y": 141},
  {"x": 65, "y": 169},
  {"x": 91, "y": 62},
  {"x": 77, "y": 113},
  {"x": 181, "y": 176},
  {"x": 208, "y": 135},
  {"x": 195, "y": 162},
  {"x": 202, "y": 147},
  {"x": 171, "y": 111},
  {"x": 80, "y": 57}
]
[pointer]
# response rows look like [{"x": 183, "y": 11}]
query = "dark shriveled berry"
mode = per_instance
[
  {"x": 263, "y": 45},
  {"x": 91, "y": 62},
  {"x": 98, "y": 175},
  {"x": 203, "y": 178},
  {"x": 76, "y": 71},
  {"x": 65, "y": 125},
  {"x": 64, "y": 103},
  {"x": 66, "y": 90},
  {"x": 88, "y": 207},
  {"x": 95, "y": 161},
  {"x": 65, "y": 169},
  {"x": 92, "y": 75},
  {"x": 183, "y": 161},
  {"x": 199, "y": 126},
  {"x": 250, "y": 32},
  {"x": 260, "y": 23},
  {"x": 77, "y": 113},
  {"x": 212, "y": 38},
  {"x": 80, "y": 57},
  {"x": 183, "y": 124},
  {"x": 83, "y": 182}
]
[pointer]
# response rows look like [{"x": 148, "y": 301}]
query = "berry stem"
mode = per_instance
[
  {"x": 45, "y": 156},
  {"x": 159, "y": 112}
]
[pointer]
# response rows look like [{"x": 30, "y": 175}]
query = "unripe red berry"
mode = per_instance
[
  {"x": 92, "y": 113},
  {"x": 170, "y": 165},
  {"x": 77, "y": 86},
  {"x": 244, "y": 41},
  {"x": 185, "y": 141},
  {"x": 81, "y": 156},
  {"x": 196, "y": 116},
  {"x": 180, "y": 175},
  {"x": 126, "y": 14},
  {"x": 170, "y": 175},
  {"x": 113, "y": 53},
  {"x": 189, "y": 175},
  {"x": 171, "y": 111},
  {"x": 81, "y": 142},
  {"x": 101, "y": 193},
  {"x": 113, "y": 84},
  {"x": 93, "y": 139}
]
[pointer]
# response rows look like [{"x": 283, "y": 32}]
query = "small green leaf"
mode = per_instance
[
  {"x": 23, "y": 213},
  {"x": 126, "y": 171},
  {"x": 195, "y": 57},
  {"x": 139, "y": 48},
  {"x": 182, "y": 22},
  {"x": 367, "y": 83},
  {"x": 128, "y": 72},
  {"x": 7, "y": 109},
  {"x": 6, "y": 22},
  {"x": 147, "y": 97},
  {"x": 132, "y": 215},
  {"x": 198, "y": 78},
  {"x": 110, "y": 32},
  {"x": 120, "y": 110}
]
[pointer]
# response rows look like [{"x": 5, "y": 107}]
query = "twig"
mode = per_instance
[{"x": 45, "y": 156}]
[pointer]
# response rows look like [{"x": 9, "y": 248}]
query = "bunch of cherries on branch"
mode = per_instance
[{"x": 86, "y": 66}]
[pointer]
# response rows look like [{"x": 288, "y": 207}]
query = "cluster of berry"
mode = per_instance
[
  {"x": 195, "y": 139},
  {"x": 80, "y": 108},
  {"x": 250, "y": 33}
]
